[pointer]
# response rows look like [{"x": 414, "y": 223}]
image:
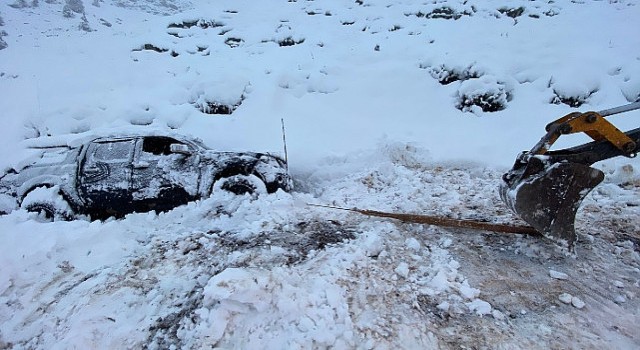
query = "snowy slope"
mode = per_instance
[{"x": 376, "y": 96}]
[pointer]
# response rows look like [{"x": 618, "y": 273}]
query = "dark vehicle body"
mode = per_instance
[{"x": 114, "y": 176}]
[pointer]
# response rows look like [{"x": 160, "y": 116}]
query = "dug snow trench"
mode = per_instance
[{"x": 273, "y": 272}]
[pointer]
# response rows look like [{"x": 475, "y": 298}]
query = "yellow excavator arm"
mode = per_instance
[{"x": 545, "y": 188}]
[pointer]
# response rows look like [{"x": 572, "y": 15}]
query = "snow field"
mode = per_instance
[{"x": 328, "y": 87}]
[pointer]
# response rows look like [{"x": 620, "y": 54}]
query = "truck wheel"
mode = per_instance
[
  {"x": 48, "y": 204},
  {"x": 7, "y": 204},
  {"x": 241, "y": 184}
]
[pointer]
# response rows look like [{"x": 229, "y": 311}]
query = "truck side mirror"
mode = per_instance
[{"x": 180, "y": 148}]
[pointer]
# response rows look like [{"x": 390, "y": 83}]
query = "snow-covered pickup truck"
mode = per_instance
[{"x": 114, "y": 176}]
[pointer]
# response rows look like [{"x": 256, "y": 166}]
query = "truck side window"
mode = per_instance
[
  {"x": 113, "y": 151},
  {"x": 158, "y": 145}
]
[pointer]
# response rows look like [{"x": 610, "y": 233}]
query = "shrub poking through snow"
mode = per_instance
[
  {"x": 71, "y": 7},
  {"x": 233, "y": 42},
  {"x": 3, "y": 44},
  {"x": 151, "y": 47},
  {"x": 84, "y": 24},
  {"x": 572, "y": 87},
  {"x": 571, "y": 100},
  {"x": 289, "y": 41},
  {"x": 18, "y": 4},
  {"x": 512, "y": 12},
  {"x": 202, "y": 23},
  {"x": 477, "y": 91},
  {"x": 552, "y": 12},
  {"x": 214, "y": 107},
  {"x": 485, "y": 93},
  {"x": 447, "y": 75},
  {"x": 444, "y": 12},
  {"x": 219, "y": 96}
]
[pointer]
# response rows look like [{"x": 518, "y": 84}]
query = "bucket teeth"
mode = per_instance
[{"x": 548, "y": 197}]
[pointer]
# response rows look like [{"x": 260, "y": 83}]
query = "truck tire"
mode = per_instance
[
  {"x": 7, "y": 204},
  {"x": 48, "y": 204},
  {"x": 241, "y": 184}
]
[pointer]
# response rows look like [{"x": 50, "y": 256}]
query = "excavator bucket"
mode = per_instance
[
  {"x": 547, "y": 197},
  {"x": 545, "y": 188}
]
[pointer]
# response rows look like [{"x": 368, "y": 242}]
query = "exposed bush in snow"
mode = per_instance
[
  {"x": 18, "y": 4},
  {"x": 71, "y": 7},
  {"x": 162, "y": 7},
  {"x": 202, "y": 23},
  {"x": 572, "y": 88},
  {"x": 3, "y": 44},
  {"x": 512, "y": 12},
  {"x": 220, "y": 96},
  {"x": 552, "y": 12},
  {"x": 571, "y": 100},
  {"x": 444, "y": 12},
  {"x": 485, "y": 93},
  {"x": 104, "y": 22},
  {"x": 447, "y": 75},
  {"x": 289, "y": 41},
  {"x": 84, "y": 24},
  {"x": 233, "y": 42},
  {"x": 212, "y": 107},
  {"x": 318, "y": 12},
  {"x": 151, "y": 47}
]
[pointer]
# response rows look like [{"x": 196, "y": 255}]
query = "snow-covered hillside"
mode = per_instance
[{"x": 405, "y": 106}]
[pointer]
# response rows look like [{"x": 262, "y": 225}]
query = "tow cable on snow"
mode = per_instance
[{"x": 441, "y": 221}]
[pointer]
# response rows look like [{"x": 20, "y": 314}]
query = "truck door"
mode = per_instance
[
  {"x": 163, "y": 179},
  {"x": 105, "y": 176}
]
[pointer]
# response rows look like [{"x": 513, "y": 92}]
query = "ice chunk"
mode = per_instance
[
  {"x": 412, "y": 244},
  {"x": 402, "y": 270},
  {"x": 577, "y": 302},
  {"x": 468, "y": 291},
  {"x": 565, "y": 298},
  {"x": 558, "y": 275},
  {"x": 444, "y": 306},
  {"x": 498, "y": 315},
  {"x": 480, "y": 307}
]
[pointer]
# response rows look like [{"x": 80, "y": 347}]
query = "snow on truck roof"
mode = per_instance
[{"x": 73, "y": 141}]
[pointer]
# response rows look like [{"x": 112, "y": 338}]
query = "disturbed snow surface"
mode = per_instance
[
  {"x": 386, "y": 103},
  {"x": 233, "y": 272}
]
